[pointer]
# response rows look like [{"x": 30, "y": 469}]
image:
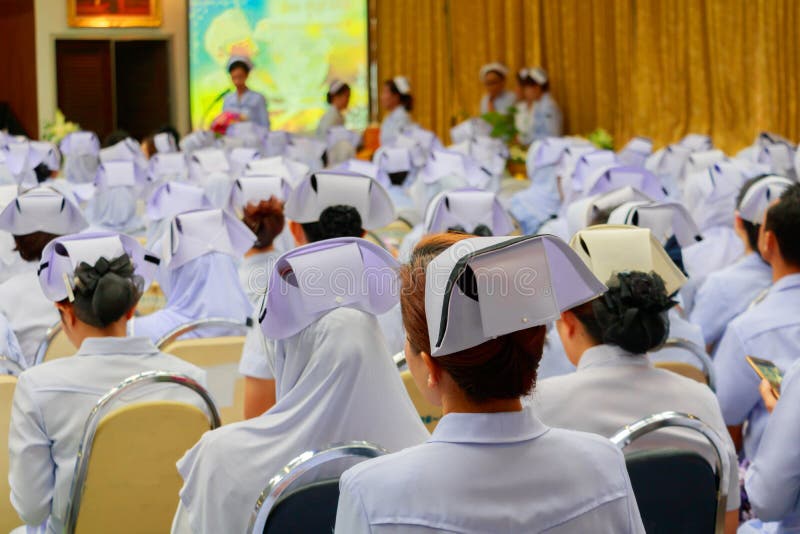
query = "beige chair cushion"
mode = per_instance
[
  {"x": 684, "y": 369},
  {"x": 8, "y": 516},
  {"x": 429, "y": 413}
]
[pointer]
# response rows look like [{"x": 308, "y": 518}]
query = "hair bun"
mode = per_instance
[
  {"x": 340, "y": 221},
  {"x": 105, "y": 291}
]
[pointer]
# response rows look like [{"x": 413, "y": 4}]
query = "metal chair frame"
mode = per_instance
[
  {"x": 280, "y": 484},
  {"x": 12, "y": 364},
  {"x": 102, "y": 408},
  {"x": 174, "y": 334},
  {"x": 651, "y": 423},
  {"x": 41, "y": 350},
  {"x": 699, "y": 352}
]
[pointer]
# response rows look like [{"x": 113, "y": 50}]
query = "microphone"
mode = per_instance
[{"x": 213, "y": 102}]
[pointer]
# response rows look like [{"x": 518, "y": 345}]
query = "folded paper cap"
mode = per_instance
[
  {"x": 292, "y": 171},
  {"x": 485, "y": 287},
  {"x": 589, "y": 163},
  {"x": 324, "y": 189},
  {"x": 308, "y": 282},
  {"x": 696, "y": 142},
  {"x": 196, "y": 141},
  {"x": 335, "y": 86},
  {"x": 663, "y": 219},
  {"x": 636, "y": 151},
  {"x": 469, "y": 129},
  {"x": 760, "y": 195},
  {"x": 126, "y": 150},
  {"x": 547, "y": 152},
  {"x": 62, "y": 255},
  {"x": 80, "y": 143},
  {"x": 42, "y": 209},
  {"x": 467, "y": 209},
  {"x": 607, "y": 249},
  {"x": 196, "y": 233},
  {"x": 494, "y": 66},
  {"x": 164, "y": 142},
  {"x": 167, "y": 164},
  {"x": 253, "y": 189},
  {"x": 359, "y": 166},
  {"x": 275, "y": 143},
  {"x": 609, "y": 178},
  {"x": 21, "y": 157},
  {"x": 389, "y": 161},
  {"x": 172, "y": 198},
  {"x": 48, "y": 153},
  {"x": 239, "y": 59},
  {"x": 211, "y": 160},
  {"x": 402, "y": 84},
  {"x": 584, "y": 211},
  {"x": 699, "y": 161},
  {"x": 779, "y": 156},
  {"x": 537, "y": 74},
  {"x": 119, "y": 174}
]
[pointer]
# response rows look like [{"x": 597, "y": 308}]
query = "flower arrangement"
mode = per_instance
[
  {"x": 503, "y": 125},
  {"x": 57, "y": 129},
  {"x": 221, "y": 122},
  {"x": 601, "y": 139}
]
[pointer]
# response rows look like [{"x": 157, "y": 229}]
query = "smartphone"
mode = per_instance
[{"x": 768, "y": 371}]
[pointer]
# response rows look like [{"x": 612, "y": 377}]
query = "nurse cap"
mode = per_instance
[
  {"x": 582, "y": 212},
  {"x": 663, "y": 219},
  {"x": 699, "y": 161},
  {"x": 779, "y": 156},
  {"x": 126, "y": 150},
  {"x": 291, "y": 171},
  {"x": 484, "y": 287},
  {"x": 609, "y": 178},
  {"x": 760, "y": 195},
  {"x": 635, "y": 152},
  {"x": 42, "y": 209},
  {"x": 308, "y": 282},
  {"x": 172, "y": 164},
  {"x": 607, "y": 249},
  {"x": 239, "y": 59},
  {"x": 164, "y": 142},
  {"x": 119, "y": 174},
  {"x": 20, "y": 156},
  {"x": 359, "y": 166},
  {"x": 196, "y": 233},
  {"x": 77, "y": 143},
  {"x": 253, "y": 189},
  {"x": 324, "y": 189},
  {"x": 696, "y": 142},
  {"x": 62, "y": 255},
  {"x": 196, "y": 141},
  {"x": 468, "y": 209},
  {"x": 210, "y": 160},
  {"x": 537, "y": 74},
  {"x": 392, "y": 161},
  {"x": 494, "y": 66},
  {"x": 172, "y": 198},
  {"x": 590, "y": 162},
  {"x": 48, "y": 154},
  {"x": 402, "y": 84}
]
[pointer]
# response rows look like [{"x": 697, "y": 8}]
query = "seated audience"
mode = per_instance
[
  {"x": 397, "y": 102},
  {"x": 537, "y": 114},
  {"x": 497, "y": 98}
]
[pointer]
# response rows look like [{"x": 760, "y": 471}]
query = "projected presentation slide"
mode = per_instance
[{"x": 297, "y": 47}]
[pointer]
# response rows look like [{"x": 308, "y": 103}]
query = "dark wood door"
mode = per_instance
[
  {"x": 83, "y": 78},
  {"x": 143, "y": 93}
]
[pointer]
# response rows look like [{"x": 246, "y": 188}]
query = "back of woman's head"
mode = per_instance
[
  {"x": 501, "y": 368},
  {"x": 266, "y": 220},
  {"x": 106, "y": 291},
  {"x": 632, "y": 314},
  {"x": 30, "y": 246},
  {"x": 335, "y": 221}
]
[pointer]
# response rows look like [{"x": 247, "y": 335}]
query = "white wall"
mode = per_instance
[{"x": 51, "y": 24}]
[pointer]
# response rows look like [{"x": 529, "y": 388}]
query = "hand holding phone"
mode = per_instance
[{"x": 768, "y": 371}]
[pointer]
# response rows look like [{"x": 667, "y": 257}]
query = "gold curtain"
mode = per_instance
[{"x": 659, "y": 68}]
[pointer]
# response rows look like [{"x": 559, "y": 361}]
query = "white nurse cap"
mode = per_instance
[
  {"x": 581, "y": 212},
  {"x": 306, "y": 150},
  {"x": 700, "y": 161},
  {"x": 696, "y": 142},
  {"x": 402, "y": 84},
  {"x": 590, "y": 162},
  {"x": 62, "y": 255},
  {"x": 42, "y": 209},
  {"x": 197, "y": 233},
  {"x": 253, "y": 189},
  {"x": 119, "y": 174},
  {"x": 537, "y": 74},
  {"x": 608, "y": 249},
  {"x": 779, "y": 156},
  {"x": 48, "y": 154},
  {"x": 391, "y": 161},
  {"x": 239, "y": 59},
  {"x": 308, "y": 282},
  {"x": 80, "y": 143},
  {"x": 636, "y": 151},
  {"x": 21, "y": 157},
  {"x": 172, "y": 198},
  {"x": 324, "y": 189},
  {"x": 760, "y": 195},
  {"x": 167, "y": 165},
  {"x": 164, "y": 142},
  {"x": 469, "y": 129},
  {"x": 494, "y": 66},
  {"x": 126, "y": 150},
  {"x": 609, "y": 178},
  {"x": 196, "y": 141},
  {"x": 663, "y": 219},
  {"x": 485, "y": 287},
  {"x": 468, "y": 209},
  {"x": 291, "y": 171},
  {"x": 208, "y": 160}
]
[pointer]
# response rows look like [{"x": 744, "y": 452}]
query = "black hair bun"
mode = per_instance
[
  {"x": 632, "y": 313},
  {"x": 106, "y": 291},
  {"x": 340, "y": 221}
]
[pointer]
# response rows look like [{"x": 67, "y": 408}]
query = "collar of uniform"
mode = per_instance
[
  {"x": 99, "y": 346},
  {"x": 503, "y": 427},
  {"x": 755, "y": 260},
  {"x": 608, "y": 356},
  {"x": 790, "y": 281}
]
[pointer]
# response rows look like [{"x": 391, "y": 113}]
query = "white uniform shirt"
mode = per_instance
[
  {"x": 251, "y": 104},
  {"x": 27, "y": 309},
  {"x": 504, "y": 100},
  {"x": 332, "y": 117},
  {"x": 539, "y": 120},
  {"x": 719, "y": 248},
  {"x": 51, "y": 404},
  {"x": 612, "y": 388},
  {"x": 492, "y": 472},
  {"x": 393, "y": 123}
]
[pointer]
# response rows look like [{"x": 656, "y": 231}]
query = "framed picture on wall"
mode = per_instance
[{"x": 113, "y": 13}]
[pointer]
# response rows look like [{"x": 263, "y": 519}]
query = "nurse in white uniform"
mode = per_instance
[
  {"x": 95, "y": 281},
  {"x": 491, "y": 465},
  {"x": 728, "y": 292},
  {"x": 497, "y": 98},
  {"x": 198, "y": 275},
  {"x": 338, "y": 98},
  {"x": 82, "y": 156},
  {"x": 12, "y": 361},
  {"x": 335, "y": 382},
  {"x": 537, "y": 114},
  {"x": 34, "y": 219},
  {"x": 167, "y": 201},
  {"x": 608, "y": 339},
  {"x": 113, "y": 206},
  {"x": 397, "y": 102},
  {"x": 250, "y": 104}
]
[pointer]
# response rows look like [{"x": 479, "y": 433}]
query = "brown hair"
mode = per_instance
[
  {"x": 501, "y": 368},
  {"x": 30, "y": 246},
  {"x": 266, "y": 220}
]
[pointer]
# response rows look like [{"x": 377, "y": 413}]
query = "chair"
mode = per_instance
[
  {"x": 9, "y": 519},
  {"x": 10, "y": 365},
  {"x": 219, "y": 357},
  {"x": 152, "y": 300},
  {"x": 706, "y": 375},
  {"x": 429, "y": 413},
  {"x": 55, "y": 345},
  {"x": 290, "y": 503},
  {"x": 676, "y": 490},
  {"x": 125, "y": 479}
]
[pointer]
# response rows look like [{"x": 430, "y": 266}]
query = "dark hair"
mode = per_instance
[
  {"x": 750, "y": 228},
  {"x": 783, "y": 219},
  {"x": 481, "y": 230},
  {"x": 238, "y": 65},
  {"x": 632, "y": 314},
  {"x": 42, "y": 172},
  {"x": 169, "y": 129},
  {"x": 398, "y": 178},
  {"x": 115, "y": 137},
  {"x": 30, "y": 246},
  {"x": 343, "y": 89},
  {"x": 334, "y": 221},
  {"x": 266, "y": 220},
  {"x": 106, "y": 291},
  {"x": 501, "y": 368},
  {"x": 407, "y": 101}
]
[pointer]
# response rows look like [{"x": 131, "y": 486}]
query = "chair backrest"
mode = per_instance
[
  {"x": 8, "y": 516},
  {"x": 699, "y": 352},
  {"x": 429, "y": 413},
  {"x": 292, "y": 503},
  {"x": 125, "y": 479},
  {"x": 661, "y": 476},
  {"x": 10, "y": 366},
  {"x": 684, "y": 369},
  {"x": 174, "y": 334},
  {"x": 54, "y": 345},
  {"x": 152, "y": 300}
]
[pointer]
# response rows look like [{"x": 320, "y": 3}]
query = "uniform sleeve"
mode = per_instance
[
  {"x": 773, "y": 479},
  {"x": 31, "y": 465},
  {"x": 484, "y": 104},
  {"x": 260, "y": 115},
  {"x": 737, "y": 384},
  {"x": 256, "y": 361},
  {"x": 710, "y": 310},
  {"x": 553, "y": 119},
  {"x": 351, "y": 517}
]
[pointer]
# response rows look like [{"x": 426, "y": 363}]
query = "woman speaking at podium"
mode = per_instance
[{"x": 251, "y": 105}]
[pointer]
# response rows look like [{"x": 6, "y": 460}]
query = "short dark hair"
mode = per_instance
[
  {"x": 239, "y": 65},
  {"x": 334, "y": 221},
  {"x": 407, "y": 101},
  {"x": 30, "y": 246},
  {"x": 750, "y": 228},
  {"x": 343, "y": 89},
  {"x": 115, "y": 137},
  {"x": 783, "y": 219}
]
